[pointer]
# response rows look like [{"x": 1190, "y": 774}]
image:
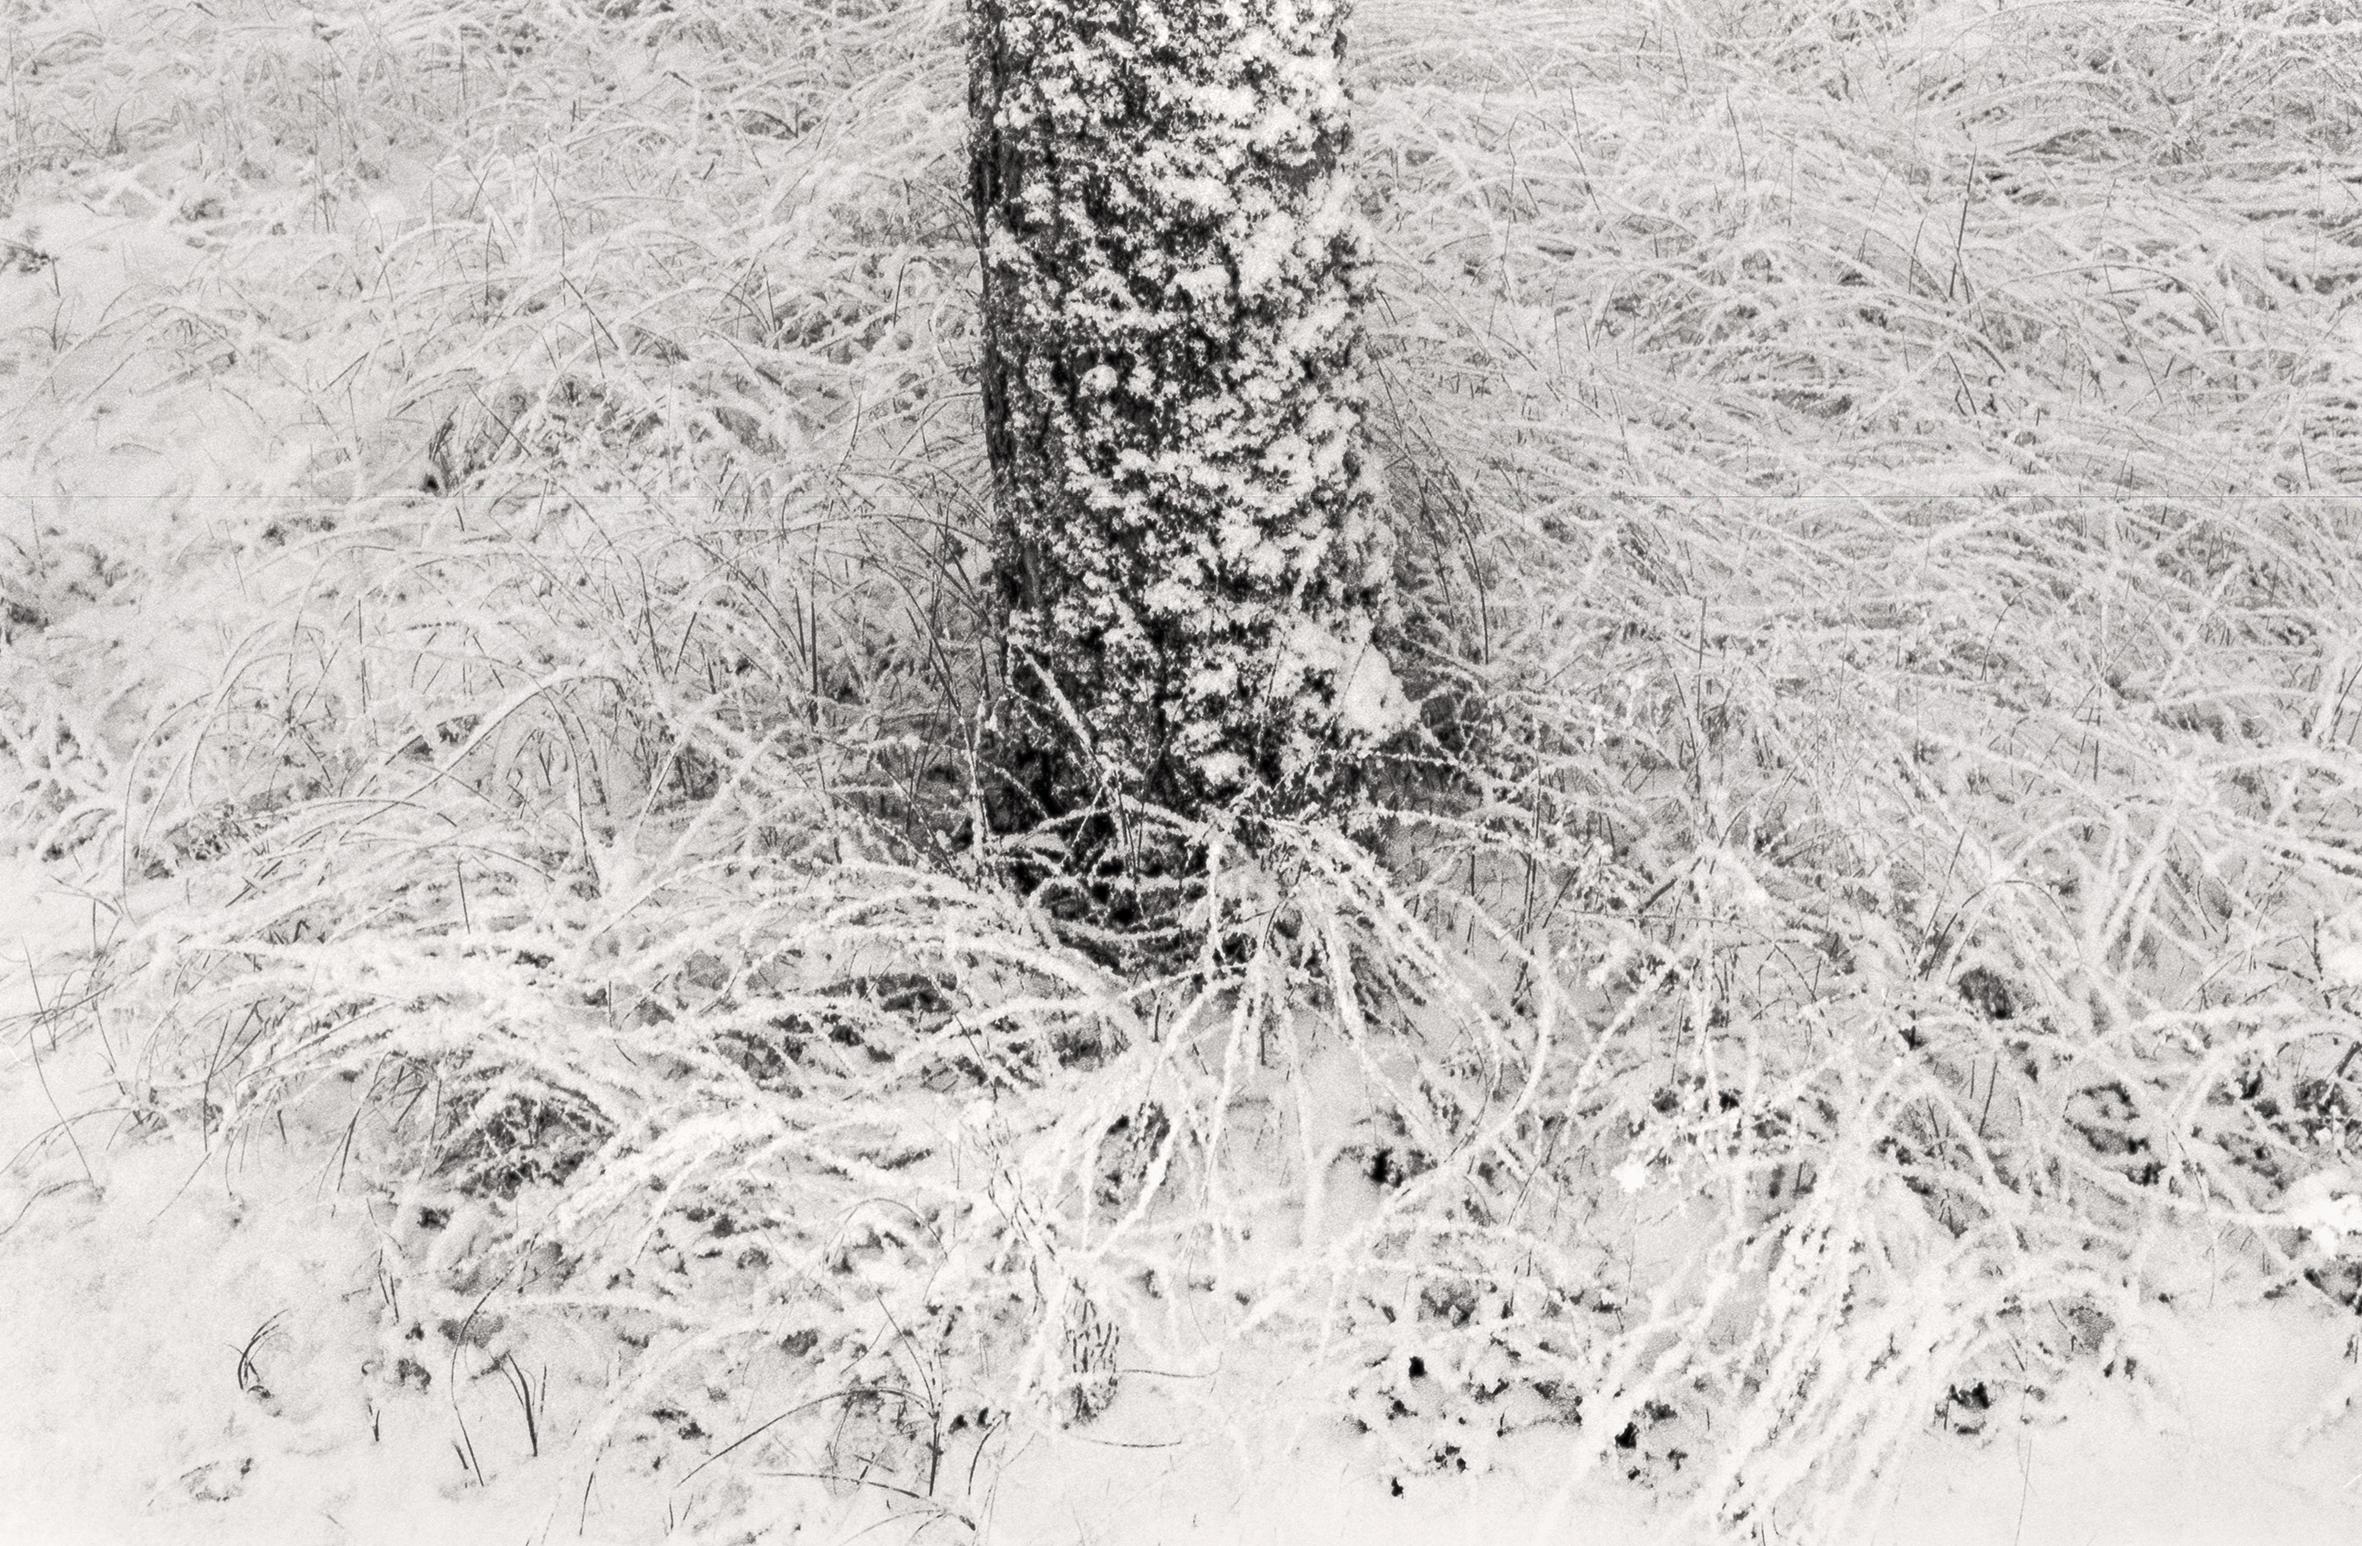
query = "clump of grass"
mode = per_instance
[{"x": 1908, "y": 558}]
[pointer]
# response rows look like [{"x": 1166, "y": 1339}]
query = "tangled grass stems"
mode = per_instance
[{"x": 1871, "y": 888}]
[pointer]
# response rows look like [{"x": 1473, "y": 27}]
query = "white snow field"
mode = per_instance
[{"x": 1844, "y": 1027}]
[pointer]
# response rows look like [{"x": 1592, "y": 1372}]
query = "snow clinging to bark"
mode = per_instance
[{"x": 1174, "y": 273}]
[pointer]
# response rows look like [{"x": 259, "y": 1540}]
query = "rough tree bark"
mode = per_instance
[{"x": 1189, "y": 550}]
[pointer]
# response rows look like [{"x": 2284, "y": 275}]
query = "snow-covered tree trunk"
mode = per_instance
[{"x": 1189, "y": 550}]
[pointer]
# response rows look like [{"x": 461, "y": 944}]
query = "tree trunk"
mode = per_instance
[{"x": 1188, "y": 547}]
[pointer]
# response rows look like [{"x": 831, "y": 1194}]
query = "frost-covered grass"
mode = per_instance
[{"x": 1872, "y": 936}]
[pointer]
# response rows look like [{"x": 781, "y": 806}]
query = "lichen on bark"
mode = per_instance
[{"x": 1188, "y": 547}]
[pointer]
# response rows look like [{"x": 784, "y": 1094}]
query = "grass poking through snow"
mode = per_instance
[{"x": 492, "y": 505}]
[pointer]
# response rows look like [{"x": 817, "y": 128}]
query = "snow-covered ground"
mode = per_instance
[
  {"x": 188, "y": 1330},
  {"x": 480, "y": 481}
]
